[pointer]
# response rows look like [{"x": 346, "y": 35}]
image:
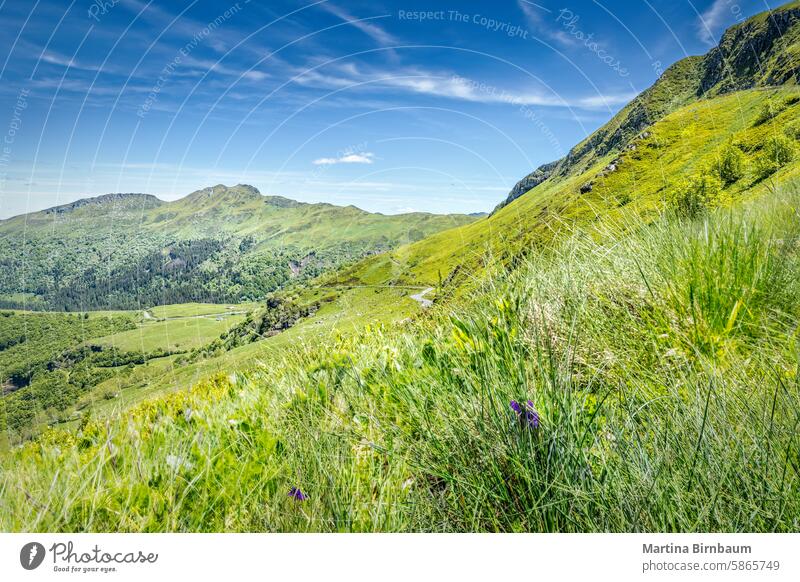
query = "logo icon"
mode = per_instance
[{"x": 31, "y": 555}]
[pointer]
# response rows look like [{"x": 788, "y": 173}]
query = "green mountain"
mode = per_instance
[
  {"x": 763, "y": 51},
  {"x": 743, "y": 93},
  {"x": 220, "y": 244}
]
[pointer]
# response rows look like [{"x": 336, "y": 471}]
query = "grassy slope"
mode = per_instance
[
  {"x": 678, "y": 145},
  {"x": 178, "y": 334},
  {"x": 343, "y": 312},
  {"x": 195, "y": 309},
  {"x": 372, "y": 291},
  {"x": 661, "y": 359}
]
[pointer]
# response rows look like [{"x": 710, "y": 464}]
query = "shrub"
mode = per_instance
[
  {"x": 778, "y": 151},
  {"x": 769, "y": 110},
  {"x": 729, "y": 164},
  {"x": 694, "y": 196},
  {"x": 792, "y": 130}
]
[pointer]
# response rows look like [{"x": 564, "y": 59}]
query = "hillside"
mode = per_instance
[
  {"x": 605, "y": 352},
  {"x": 763, "y": 51},
  {"x": 220, "y": 244},
  {"x": 640, "y": 181},
  {"x": 633, "y": 164},
  {"x": 542, "y": 404}
]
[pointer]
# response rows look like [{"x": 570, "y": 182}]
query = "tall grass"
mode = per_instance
[{"x": 663, "y": 366}]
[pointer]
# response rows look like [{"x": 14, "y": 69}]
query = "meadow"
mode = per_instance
[{"x": 645, "y": 379}]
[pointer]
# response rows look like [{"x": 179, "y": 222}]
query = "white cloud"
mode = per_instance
[
  {"x": 533, "y": 14},
  {"x": 374, "y": 31},
  {"x": 255, "y": 75},
  {"x": 712, "y": 20},
  {"x": 450, "y": 86},
  {"x": 210, "y": 65},
  {"x": 362, "y": 158},
  {"x": 56, "y": 59}
]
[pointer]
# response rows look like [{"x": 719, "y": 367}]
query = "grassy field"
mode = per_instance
[
  {"x": 660, "y": 362},
  {"x": 54, "y": 366},
  {"x": 179, "y": 334},
  {"x": 163, "y": 338},
  {"x": 197, "y": 309},
  {"x": 343, "y": 312}
]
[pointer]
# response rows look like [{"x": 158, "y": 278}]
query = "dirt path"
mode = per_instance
[{"x": 420, "y": 297}]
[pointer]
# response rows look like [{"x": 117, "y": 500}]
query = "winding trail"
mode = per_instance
[{"x": 420, "y": 297}]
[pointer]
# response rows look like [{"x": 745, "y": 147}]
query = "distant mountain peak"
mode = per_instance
[
  {"x": 221, "y": 190},
  {"x": 117, "y": 200}
]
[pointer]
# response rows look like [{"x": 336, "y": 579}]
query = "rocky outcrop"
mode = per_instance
[
  {"x": 296, "y": 267},
  {"x": 530, "y": 181}
]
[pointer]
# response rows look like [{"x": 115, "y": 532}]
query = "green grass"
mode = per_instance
[
  {"x": 343, "y": 312},
  {"x": 173, "y": 334},
  {"x": 196, "y": 309},
  {"x": 661, "y": 357}
]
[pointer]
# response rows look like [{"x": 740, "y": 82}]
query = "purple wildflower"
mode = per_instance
[
  {"x": 531, "y": 415},
  {"x": 529, "y": 418},
  {"x": 296, "y": 494}
]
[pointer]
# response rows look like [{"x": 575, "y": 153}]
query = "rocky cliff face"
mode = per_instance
[{"x": 532, "y": 180}]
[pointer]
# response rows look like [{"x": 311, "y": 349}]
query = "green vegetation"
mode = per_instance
[
  {"x": 129, "y": 251},
  {"x": 615, "y": 349},
  {"x": 179, "y": 334},
  {"x": 729, "y": 164},
  {"x": 42, "y": 369},
  {"x": 184, "y": 310},
  {"x": 777, "y": 153},
  {"x": 662, "y": 365},
  {"x": 697, "y": 194}
]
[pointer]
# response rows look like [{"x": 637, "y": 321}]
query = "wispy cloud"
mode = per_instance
[
  {"x": 56, "y": 59},
  {"x": 361, "y": 158},
  {"x": 225, "y": 35},
  {"x": 450, "y": 86},
  {"x": 371, "y": 29},
  {"x": 216, "y": 66},
  {"x": 534, "y": 16},
  {"x": 712, "y": 20}
]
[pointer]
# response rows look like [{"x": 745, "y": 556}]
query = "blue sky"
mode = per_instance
[{"x": 391, "y": 106}]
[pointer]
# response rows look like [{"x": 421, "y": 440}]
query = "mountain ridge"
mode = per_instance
[
  {"x": 210, "y": 193},
  {"x": 217, "y": 244},
  {"x": 754, "y": 53}
]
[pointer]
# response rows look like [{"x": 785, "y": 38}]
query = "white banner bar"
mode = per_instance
[{"x": 401, "y": 557}]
